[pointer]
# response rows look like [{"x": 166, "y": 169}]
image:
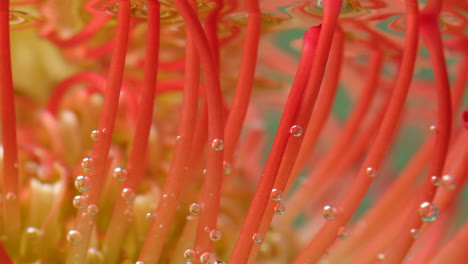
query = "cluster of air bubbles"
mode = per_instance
[
  {"x": 82, "y": 183},
  {"x": 128, "y": 194},
  {"x": 448, "y": 182},
  {"x": 280, "y": 208},
  {"x": 217, "y": 144},
  {"x": 344, "y": 233},
  {"x": 371, "y": 172},
  {"x": 120, "y": 174},
  {"x": 215, "y": 234},
  {"x": 428, "y": 212},
  {"x": 80, "y": 201},
  {"x": 257, "y": 238},
  {"x": 276, "y": 195},
  {"x": 329, "y": 212},
  {"x": 190, "y": 255},
  {"x": 74, "y": 237},
  {"x": 92, "y": 209},
  {"x": 87, "y": 164},
  {"x": 296, "y": 131},
  {"x": 414, "y": 232}
]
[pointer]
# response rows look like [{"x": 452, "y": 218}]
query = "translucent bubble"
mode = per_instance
[
  {"x": 448, "y": 182},
  {"x": 33, "y": 233},
  {"x": 92, "y": 209},
  {"x": 96, "y": 135},
  {"x": 82, "y": 183},
  {"x": 178, "y": 139},
  {"x": 344, "y": 233},
  {"x": 371, "y": 172},
  {"x": 276, "y": 195},
  {"x": 414, "y": 233},
  {"x": 433, "y": 129},
  {"x": 206, "y": 258},
  {"x": 74, "y": 237},
  {"x": 329, "y": 212},
  {"x": 206, "y": 229},
  {"x": 194, "y": 208},
  {"x": 380, "y": 257},
  {"x": 87, "y": 164},
  {"x": 149, "y": 216},
  {"x": 80, "y": 201},
  {"x": 296, "y": 131},
  {"x": 128, "y": 194},
  {"x": 120, "y": 174},
  {"x": 190, "y": 255},
  {"x": 257, "y": 238},
  {"x": 165, "y": 197},
  {"x": 217, "y": 144},
  {"x": 95, "y": 256},
  {"x": 227, "y": 168},
  {"x": 215, "y": 235},
  {"x": 280, "y": 209},
  {"x": 428, "y": 212},
  {"x": 139, "y": 262},
  {"x": 435, "y": 180},
  {"x": 10, "y": 196}
]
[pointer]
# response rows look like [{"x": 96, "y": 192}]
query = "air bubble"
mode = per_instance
[
  {"x": 206, "y": 258},
  {"x": 435, "y": 180},
  {"x": 329, "y": 212},
  {"x": 280, "y": 208},
  {"x": 74, "y": 237},
  {"x": 95, "y": 256},
  {"x": 96, "y": 135},
  {"x": 217, "y": 144},
  {"x": 92, "y": 209},
  {"x": 257, "y": 238},
  {"x": 414, "y": 233},
  {"x": 10, "y": 196},
  {"x": 149, "y": 217},
  {"x": 82, "y": 183},
  {"x": 344, "y": 233},
  {"x": 215, "y": 235},
  {"x": 178, "y": 139},
  {"x": 194, "y": 208},
  {"x": 227, "y": 168},
  {"x": 448, "y": 182},
  {"x": 139, "y": 262},
  {"x": 80, "y": 201},
  {"x": 120, "y": 174},
  {"x": 296, "y": 131},
  {"x": 433, "y": 129},
  {"x": 371, "y": 172},
  {"x": 276, "y": 195},
  {"x": 428, "y": 212},
  {"x": 87, "y": 164},
  {"x": 128, "y": 194},
  {"x": 190, "y": 255}
]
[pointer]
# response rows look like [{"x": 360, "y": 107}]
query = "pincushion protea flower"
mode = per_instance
[{"x": 136, "y": 131}]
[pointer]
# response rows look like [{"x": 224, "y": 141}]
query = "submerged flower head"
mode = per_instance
[{"x": 211, "y": 131}]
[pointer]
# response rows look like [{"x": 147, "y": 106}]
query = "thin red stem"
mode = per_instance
[{"x": 10, "y": 181}]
